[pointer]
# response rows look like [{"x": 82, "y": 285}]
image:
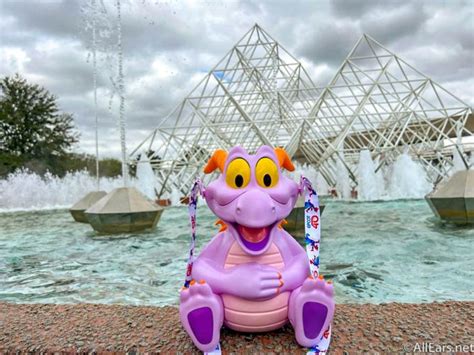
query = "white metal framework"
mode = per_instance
[
  {"x": 257, "y": 94},
  {"x": 379, "y": 102},
  {"x": 260, "y": 94}
]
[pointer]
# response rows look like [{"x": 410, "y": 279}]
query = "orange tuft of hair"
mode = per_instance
[
  {"x": 216, "y": 161},
  {"x": 284, "y": 159}
]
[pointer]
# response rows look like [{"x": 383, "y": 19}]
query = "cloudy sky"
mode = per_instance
[{"x": 170, "y": 45}]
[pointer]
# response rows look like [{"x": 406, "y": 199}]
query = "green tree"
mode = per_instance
[{"x": 31, "y": 125}]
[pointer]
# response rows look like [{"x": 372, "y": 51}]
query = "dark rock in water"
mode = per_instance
[{"x": 158, "y": 282}]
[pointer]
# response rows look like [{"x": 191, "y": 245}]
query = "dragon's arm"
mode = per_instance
[
  {"x": 296, "y": 263},
  {"x": 249, "y": 280}
]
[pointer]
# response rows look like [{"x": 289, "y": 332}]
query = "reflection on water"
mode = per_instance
[{"x": 374, "y": 252}]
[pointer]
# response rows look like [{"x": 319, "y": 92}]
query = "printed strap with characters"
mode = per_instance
[
  {"x": 312, "y": 240},
  {"x": 312, "y": 228},
  {"x": 198, "y": 188}
]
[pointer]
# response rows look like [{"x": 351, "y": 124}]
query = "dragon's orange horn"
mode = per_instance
[
  {"x": 217, "y": 161},
  {"x": 284, "y": 159}
]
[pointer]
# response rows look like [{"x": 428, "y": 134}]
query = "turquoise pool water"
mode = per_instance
[{"x": 375, "y": 252}]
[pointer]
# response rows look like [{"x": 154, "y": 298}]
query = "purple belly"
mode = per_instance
[{"x": 249, "y": 315}]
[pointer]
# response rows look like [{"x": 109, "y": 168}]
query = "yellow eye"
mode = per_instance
[
  {"x": 238, "y": 173},
  {"x": 266, "y": 172}
]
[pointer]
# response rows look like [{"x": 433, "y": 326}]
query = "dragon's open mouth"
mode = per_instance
[{"x": 254, "y": 239}]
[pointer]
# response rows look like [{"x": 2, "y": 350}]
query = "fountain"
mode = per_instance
[
  {"x": 123, "y": 209},
  {"x": 25, "y": 190},
  {"x": 458, "y": 163},
  {"x": 407, "y": 179},
  {"x": 175, "y": 197},
  {"x": 146, "y": 177},
  {"x": 342, "y": 179},
  {"x": 312, "y": 174},
  {"x": 371, "y": 184},
  {"x": 453, "y": 199},
  {"x": 79, "y": 208},
  {"x": 93, "y": 11}
]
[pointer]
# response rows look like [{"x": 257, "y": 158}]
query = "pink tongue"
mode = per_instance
[{"x": 253, "y": 235}]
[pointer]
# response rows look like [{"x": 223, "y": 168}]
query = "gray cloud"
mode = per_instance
[
  {"x": 357, "y": 8},
  {"x": 169, "y": 46},
  {"x": 389, "y": 26},
  {"x": 57, "y": 18},
  {"x": 329, "y": 42}
]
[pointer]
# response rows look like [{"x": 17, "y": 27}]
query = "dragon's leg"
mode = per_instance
[
  {"x": 311, "y": 309},
  {"x": 202, "y": 315}
]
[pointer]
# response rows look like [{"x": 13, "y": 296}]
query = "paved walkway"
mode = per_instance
[{"x": 384, "y": 328}]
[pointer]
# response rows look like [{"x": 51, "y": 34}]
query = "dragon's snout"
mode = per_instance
[{"x": 255, "y": 208}]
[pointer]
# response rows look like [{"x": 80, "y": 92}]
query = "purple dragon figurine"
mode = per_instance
[{"x": 253, "y": 276}]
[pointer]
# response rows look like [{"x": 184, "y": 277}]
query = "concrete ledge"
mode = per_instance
[{"x": 387, "y": 328}]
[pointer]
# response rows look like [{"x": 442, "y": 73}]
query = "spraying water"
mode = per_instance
[
  {"x": 321, "y": 184},
  {"x": 24, "y": 190},
  {"x": 98, "y": 26},
  {"x": 96, "y": 116},
  {"x": 408, "y": 179},
  {"x": 121, "y": 93},
  {"x": 94, "y": 83},
  {"x": 371, "y": 185},
  {"x": 312, "y": 174},
  {"x": 146, "y": 177},
  {"x": 175, "y": 197},
  {"x": 458, "y": 161},
  {"x": 342, "y": 179}
]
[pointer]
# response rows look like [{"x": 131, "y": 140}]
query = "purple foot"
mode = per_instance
[
  {"x": 311, "y": 310},
  {"x": 201, "y": 314}
]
